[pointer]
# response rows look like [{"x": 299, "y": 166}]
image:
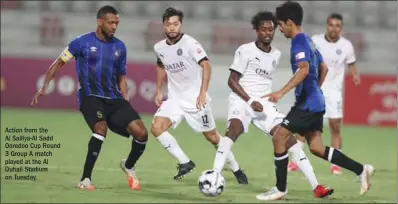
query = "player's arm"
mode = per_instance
[
  {"x": 323, "y": 70},
  {"x": 122, "y": 74},
  {"x": 200, "y": 56},
  {"x": 350, "y": 60},
  {"x": 205, "y": 64},
  {"x": 298, "y": 77},
  {"x": 233, "y": 83},
  {"x": 237, "y": 68},
  {"x": 69, "y": 53},
  {"x": 160, "y": 76}
]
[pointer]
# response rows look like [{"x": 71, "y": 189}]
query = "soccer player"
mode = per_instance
[
  {"x": 181, "y": 58},
  {"x": 306, "y": 116},
  {"x": 338, "y": 53},
  {"x": 251, "y": 78},
  {"x": 103, "y": 100}
]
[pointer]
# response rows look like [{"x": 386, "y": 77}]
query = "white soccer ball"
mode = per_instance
[{"x": 211, "y": 183}]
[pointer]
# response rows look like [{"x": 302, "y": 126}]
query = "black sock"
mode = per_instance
[
  {"x": 137, "y": 148},
  {"x": 94, "y": 148},
  {"x": 342, "y": 160},
  {"x": 281, "y": 162}
]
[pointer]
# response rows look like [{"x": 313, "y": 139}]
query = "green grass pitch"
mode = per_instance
[{"x": 376, "y": 146}]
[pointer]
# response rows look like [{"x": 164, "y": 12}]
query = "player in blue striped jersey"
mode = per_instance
[
  {"x": 306, "y": 116},
  {"x": 100, "y": 60}
]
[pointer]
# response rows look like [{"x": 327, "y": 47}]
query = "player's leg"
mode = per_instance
[
  {"x": 125, "y": 121},
  {"x": 336, "y": 157},
  {"x": 94, "y": 113},
  {"x": 170, "y": 115},
  {"x": 238, "y": 123},
  {"x": 214, "y": 137},
  {"x": 270, "y": 124},
  {"x": 281, "y": 138},
  {"x": 334, "y": 113},
  {"x": 235, "y": 128},
  {"x": 335, "y": 126},
  {"x": 300, "y": 143}
]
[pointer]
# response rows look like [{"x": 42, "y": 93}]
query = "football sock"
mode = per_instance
[
  {"x": 281, "y": 162},
  {"x": 302, "y": 161},
  {"x": 300, "y": 144},
  {"x": 137, "y": 148},
  {"x": 336, "y": 157},
  {"x": 223, "y": 150},
  {"x": 171, "y": 145},
  {"x": 94, "y": 148},
  {"x": 231, "y": 160}
]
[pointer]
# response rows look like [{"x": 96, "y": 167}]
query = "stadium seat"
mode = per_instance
[
  {"x": 224, "y": 10},
  {"x": 202, "y": 10},
  {"x": 152, "y": 9},
  {"x": 369, "y": 13},
  {"x": 33, "y": 5},
  {"x": 100, "y": 4},
  {"x": 347, "y": 9},
  {"x": 391, "y": 14},
  {"x": 58, "y": 6},
  {"x": 320, "y": 10},
  {"x": 83, "y": 6}
]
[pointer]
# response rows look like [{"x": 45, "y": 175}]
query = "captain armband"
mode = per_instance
[{"x": 66, "y": 55}]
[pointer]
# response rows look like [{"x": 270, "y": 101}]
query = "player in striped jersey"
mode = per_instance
[{"x": 101, "y": 68}]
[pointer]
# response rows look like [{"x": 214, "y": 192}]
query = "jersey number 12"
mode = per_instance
[{"x": 205, "y": 120}]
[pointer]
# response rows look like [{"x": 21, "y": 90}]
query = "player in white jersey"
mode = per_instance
[
  {"x": 251, "y": 79},
  {"x": 338, "y": 54},
  {"x": 181, "y": 58}
]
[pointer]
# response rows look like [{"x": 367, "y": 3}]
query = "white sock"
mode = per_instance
[
  {"x": 223, "y": 150},
  {"x": 300, "y": 144},
  {"x": 299, "y": 157},
  {"x": 231, "y": 160},
  {"x": 170, "y": 144}
]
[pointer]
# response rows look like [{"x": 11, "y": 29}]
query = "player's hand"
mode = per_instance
[
  {"x": 257, "y": 106},
  {"x": 274, "y": 96},
  {"x": 39, "y": 93},
  {"x": 201, "y": 101},
  {"x": 158, "y": 99},
  {"x": 356, "y": 79}
]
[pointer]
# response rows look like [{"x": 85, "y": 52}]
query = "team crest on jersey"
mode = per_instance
[
  {"x": 179, "y": 52},
  {"x": 338, "y": 52},
  {"x": 274, "y": 64},
  {"x": 117, "y": 53}
]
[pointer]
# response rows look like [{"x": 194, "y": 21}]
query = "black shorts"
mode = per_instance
[
  {"x": 302, "y": 121},
  {"x": 118, "y": 113}
]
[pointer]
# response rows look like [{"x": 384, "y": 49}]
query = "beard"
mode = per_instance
[
  {"x": 106, "y": 35},
  {"x": 173, "y": 37}
]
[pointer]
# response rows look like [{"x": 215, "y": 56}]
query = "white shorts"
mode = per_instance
[
  {"x": 200, "y": 121},
  {"x": 334, "y": 105},
  {"x": 265, "y": 121}
]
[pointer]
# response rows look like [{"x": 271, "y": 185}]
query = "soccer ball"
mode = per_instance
[{"x": 211, "y": 183}]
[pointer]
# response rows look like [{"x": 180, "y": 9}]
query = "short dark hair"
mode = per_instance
[
  {"x": 170, "y": 12},
  {"x": 335, "y": 16},
  {"x": 105, "y": 10},
  {"x": 261, "y": 17},
  {"x": 290, "y": 10}
]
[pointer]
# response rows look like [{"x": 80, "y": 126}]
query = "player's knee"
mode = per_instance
[
  {"x": 212, "y": 137},
  {"x": 141, "y": 135},
  {"x": 235, "y": 129},
  {"x": 316, "y": 150},
  {"x": 101, "y": 128},
  {"x": 335, "y": 127},
  {"x": 157, "y": 129}
]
